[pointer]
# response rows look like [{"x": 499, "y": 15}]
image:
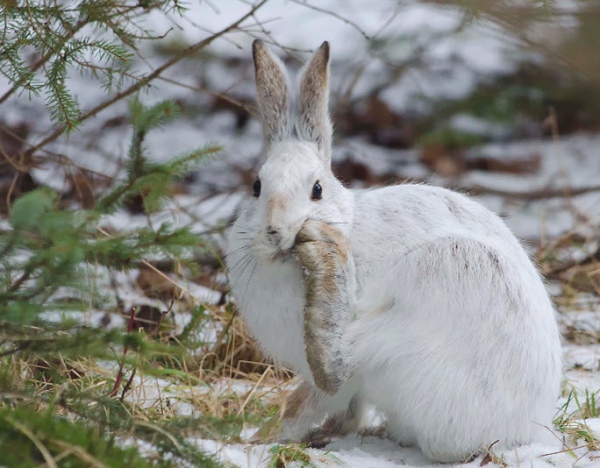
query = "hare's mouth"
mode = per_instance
[
  {"x": 271, "y": 253},
  {"x": 282, "y": 255}
]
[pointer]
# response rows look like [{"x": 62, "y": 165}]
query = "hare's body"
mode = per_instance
[
  {"x": 467, "y": 348},
  {"x": 438, "y": 317}
]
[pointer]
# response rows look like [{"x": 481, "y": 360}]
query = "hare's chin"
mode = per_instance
[{"x": 272, "y": 254}]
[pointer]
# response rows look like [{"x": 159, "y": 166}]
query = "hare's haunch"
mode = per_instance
[{"x": 414, "y": 299}]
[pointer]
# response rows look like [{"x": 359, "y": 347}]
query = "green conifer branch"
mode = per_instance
[{"x": 144, "y": 81}]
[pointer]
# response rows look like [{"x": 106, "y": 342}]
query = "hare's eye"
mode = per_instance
[
  {"x": 256, "y": 188},
  {"x": 317, "y": 191}
]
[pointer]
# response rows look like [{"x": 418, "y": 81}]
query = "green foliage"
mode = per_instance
[
  {"x": 47, "y": 246},
  {"x": 48, "y": 254},
  {"x": 97, "y": 38},
  {"x": 588, "y": 408},
  {"x": 572, "y": 422},
  {"x": 450, "y": 139},
  {"x": 283, "y": 455},
  {"x": 524, "y": 95},
  {"x": 30, "y": 439},
  {"x": 147, "y": 179}
]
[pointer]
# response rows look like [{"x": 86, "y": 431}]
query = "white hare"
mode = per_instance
[{"x": 411, "y": 298}]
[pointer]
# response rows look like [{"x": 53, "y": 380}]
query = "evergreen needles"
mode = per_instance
[
  {"x": 98, "y": 38},
  {"x": 47, "y": 254}
]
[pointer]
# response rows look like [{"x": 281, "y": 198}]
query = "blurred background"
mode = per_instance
[
  {"x": 486, "y": 97},
  {"x": 128, "y": 130}
]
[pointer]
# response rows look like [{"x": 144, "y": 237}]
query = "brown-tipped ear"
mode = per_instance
[
  {"x": 313, "y": 123},
  {"x": 272, "y": 93}
]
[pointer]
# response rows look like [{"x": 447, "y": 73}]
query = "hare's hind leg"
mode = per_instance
[{"x": 467, "y": 353}]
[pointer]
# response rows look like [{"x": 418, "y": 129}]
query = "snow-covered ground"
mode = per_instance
[{"x": 371, "y": 452}]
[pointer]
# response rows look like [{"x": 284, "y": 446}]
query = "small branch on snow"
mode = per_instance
[{"x": 541, "y": 194}]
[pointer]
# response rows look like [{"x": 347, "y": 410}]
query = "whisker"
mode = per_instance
[
  {"x": 248, "y": 282},
  {"x": 235, "y": 268},
  {"x": 243, "y": 247},
  {"x": 244, "y": 238},
  {"x": 241, "y": 275},
  {"x": 240, "y": 270},
  {"x": 248, "y": 228}
]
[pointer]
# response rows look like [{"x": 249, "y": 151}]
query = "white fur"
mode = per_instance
[{"x": 453, "y": 334}]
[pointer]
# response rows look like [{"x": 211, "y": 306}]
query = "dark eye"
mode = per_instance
[
  {"x": 317, "y": 191},
  {"x": 256, "y": 188}
]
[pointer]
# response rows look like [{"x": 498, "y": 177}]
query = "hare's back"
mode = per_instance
[
  {"x": 400, "y": 218},
  {"x": 393, "y": 222}
]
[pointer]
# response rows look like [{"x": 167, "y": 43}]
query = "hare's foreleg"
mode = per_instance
[
  {"x": 331, "y": 406},
  {"x": 313, "y": 416},
  {"x": 342, "y": 423},
  {"x": 330, "y": 283}
]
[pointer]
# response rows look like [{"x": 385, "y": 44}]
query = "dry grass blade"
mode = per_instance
[
  {"x": 159, "y": 429},
  {"x": 43, "y": 450},
  {"x": 81, "y": 453},
  {"x": 241, "y": 410}
]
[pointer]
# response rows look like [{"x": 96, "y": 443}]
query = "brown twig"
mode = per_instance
[
  {"x": 220, "y": 95},
  {"x": 531, "y": 195},
  {"x": 119, "y": 378},
  {"x": 16, "y": 349},
  {"x": 587, "y": 260},
  {"x": 335, "y": 15},
  {"x": 490, "y": 455},
  {"x": 127, "y": 385}
]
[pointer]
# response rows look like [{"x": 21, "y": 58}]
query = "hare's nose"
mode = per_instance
[{"x": 274, "y": 234}]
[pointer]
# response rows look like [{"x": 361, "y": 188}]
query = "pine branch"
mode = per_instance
[
  {"x": 44, "y": 59},
  {"x": 147, "y": 79}
]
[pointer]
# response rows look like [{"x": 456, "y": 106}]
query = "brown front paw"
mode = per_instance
[
  {"x": 321, "y": 247},
  {"x": 310, "y": 231}
]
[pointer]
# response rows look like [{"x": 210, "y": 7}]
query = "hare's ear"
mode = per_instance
[
  {"x": 272, "y": 92},
  {"x": 313, "y": 123}
]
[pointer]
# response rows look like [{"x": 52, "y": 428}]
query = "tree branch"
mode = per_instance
[
  {"x": 541, "y": 194},
  {"x": 147, "y": 79}
]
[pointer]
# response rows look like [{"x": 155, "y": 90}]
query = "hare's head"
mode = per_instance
[{"x": 295, "y": 182}]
